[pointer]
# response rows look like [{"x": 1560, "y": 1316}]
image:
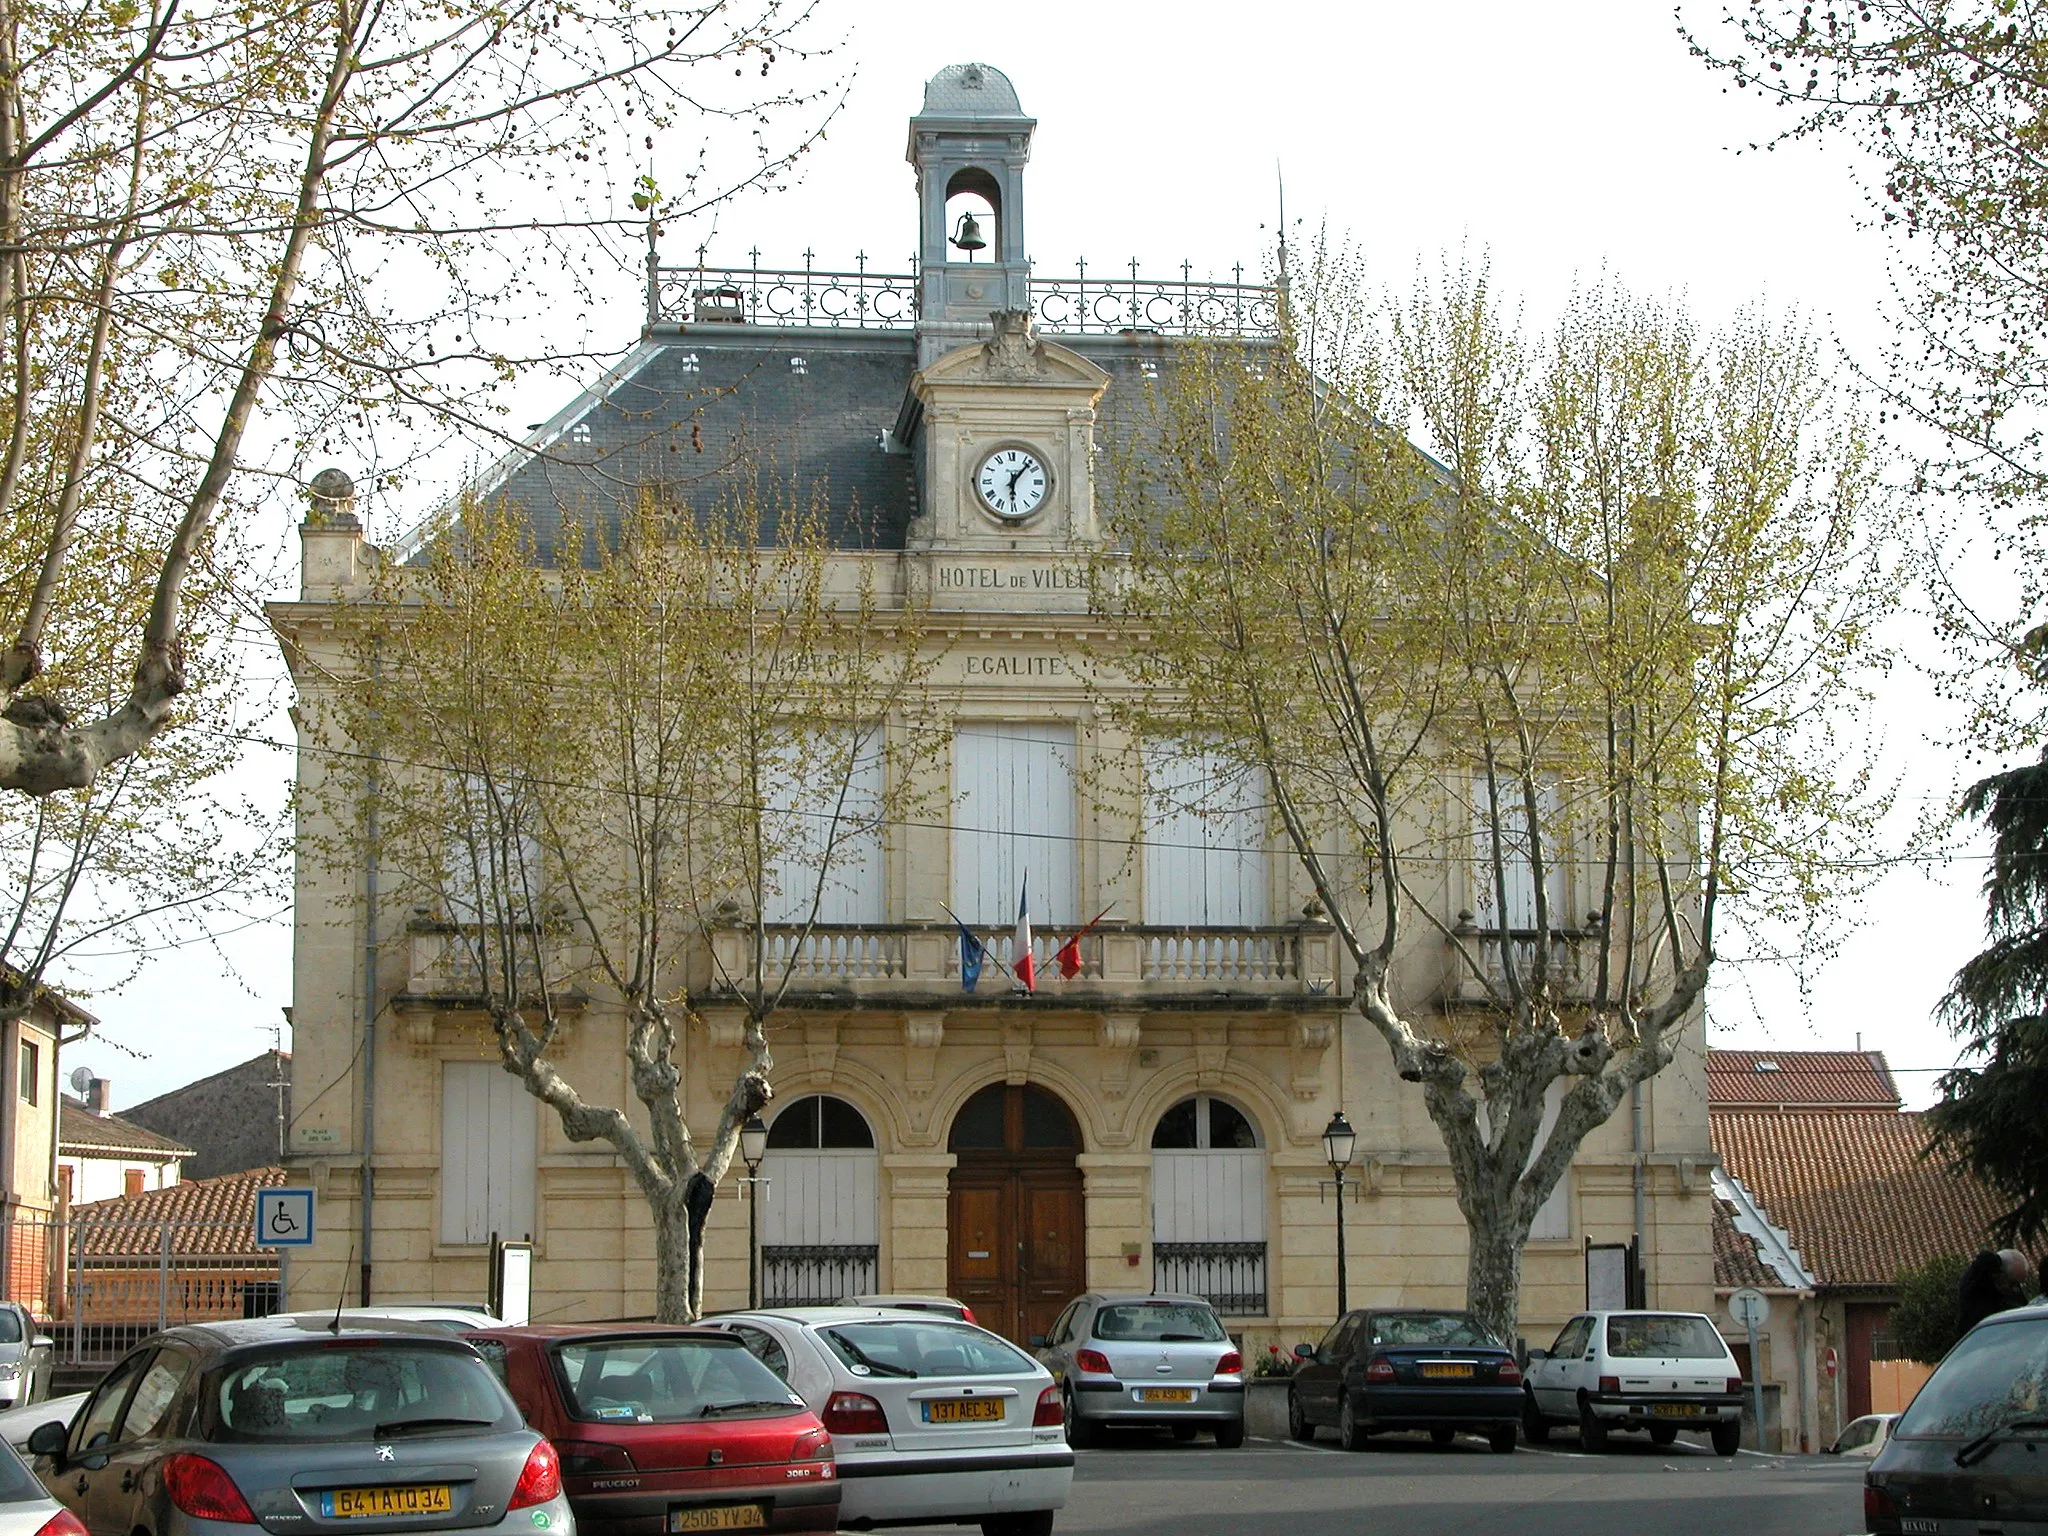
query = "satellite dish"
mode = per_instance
[{"x": 81, "y": 1080}]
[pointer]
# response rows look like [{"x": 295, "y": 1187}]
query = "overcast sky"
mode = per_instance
[{"x": 1558, "y": 141}]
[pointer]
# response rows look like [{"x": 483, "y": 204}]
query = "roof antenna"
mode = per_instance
[{"x": 341, "y": 1295}]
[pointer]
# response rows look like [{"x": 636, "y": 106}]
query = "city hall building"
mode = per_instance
[{"x": 1152, "y": 1122}]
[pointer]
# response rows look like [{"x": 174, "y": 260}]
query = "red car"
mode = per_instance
[{"x": 665, "y": 1430}]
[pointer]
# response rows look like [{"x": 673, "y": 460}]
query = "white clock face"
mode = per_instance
[{"x": 1011, "y": 483}]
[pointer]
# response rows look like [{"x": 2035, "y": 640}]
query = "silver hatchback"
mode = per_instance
[{"x": 1145, "y": 1360}]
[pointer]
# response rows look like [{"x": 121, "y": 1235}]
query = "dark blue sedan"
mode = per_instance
[{"x": 1407, "y": 1368}]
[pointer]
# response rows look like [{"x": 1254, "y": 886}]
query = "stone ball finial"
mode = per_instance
[{"x": 333, "y": 495}]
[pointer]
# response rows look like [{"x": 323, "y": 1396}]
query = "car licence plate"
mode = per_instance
[
  {"x": 966, "y": 1410},
  {"x": 723, "y": 1517},
  {"x": 1677, "y": 1410},
  {"x": 368, "y": 1503},
  {"x": 1437, "y": 1370},
  {"x": 1166, "y": 1395}
]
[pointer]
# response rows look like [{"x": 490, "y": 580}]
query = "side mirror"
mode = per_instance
[
  {"x": 1038, "y": 1341},
  {"x": 1538, "y": 1354},
  {"x": 42, "y": 1341},
  {"x": 1304, "y": 1351},
  {"x": 47, "y": 1439}
]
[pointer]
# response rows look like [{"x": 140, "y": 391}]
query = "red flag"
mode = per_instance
[
  {"x": 1068, "y": 958},
  {"x": 1023, "y": 966}
]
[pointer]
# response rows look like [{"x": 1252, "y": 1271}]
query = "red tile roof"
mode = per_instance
[
  {"x": 1735, "y": 1257},
  {"x": 1853, "y": 1191},
  {"x": 1800, "y": 1080},
  {"x": 207, "y": 1218},
  {"x": 80, "y": 1130}
]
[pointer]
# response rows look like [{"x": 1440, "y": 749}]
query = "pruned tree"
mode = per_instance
[
  {"x": 1570, "y": 660},
  {"x": 336, "y": 215},
  {"x": 585, "y": 769}
]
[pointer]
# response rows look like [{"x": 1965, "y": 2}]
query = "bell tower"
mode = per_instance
[{"x": 970, "y": 143}]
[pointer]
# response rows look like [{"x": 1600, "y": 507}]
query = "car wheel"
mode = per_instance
[
  {"x": 1033, "y": 1522},
  {"x": 1727, "y": 1438},
  {"x": 1080, "y": 1433},
  {"x": 1442, "y": 1436},
  {"x": 1298, "y": 1426},
  {"x": 1535, "y": 1427},
  {"x": 1350, "y": 1433},
  {"x": 1230, "y": 1436},
  {"x": 1592, "y": 1433},
  {"x": 1663, "y": 1434},
  {"x": 1502, "y": 1441}
]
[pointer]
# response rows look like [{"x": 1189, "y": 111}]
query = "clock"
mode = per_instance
[{"x": 1012, "y": 483}]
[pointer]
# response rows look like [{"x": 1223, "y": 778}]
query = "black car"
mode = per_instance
[
  {"x": 1406, "y": 1369},
  {"x": 1970, "y": 1453}
]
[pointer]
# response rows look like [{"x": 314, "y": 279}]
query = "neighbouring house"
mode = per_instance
[
  {"x": 1154, "y": 1124},
  {"x": 31, "y": 1257},
  {"x": 182, "y": 1254},
  {"x": 101, "y": 1155},
  {"x": 1824, "y": 1197},
  {"x": 233, "y": 1120}
]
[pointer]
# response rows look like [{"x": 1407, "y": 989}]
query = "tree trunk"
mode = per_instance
[
  {"x": 1493, "y": 1274},
  {"x": 676, "y": 1253}
]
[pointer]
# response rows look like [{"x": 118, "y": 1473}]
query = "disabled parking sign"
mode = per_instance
[{"x": 284, "y": 1218}]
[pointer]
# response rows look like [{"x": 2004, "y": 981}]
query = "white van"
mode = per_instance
[{"x": 1659, "y": 1371}]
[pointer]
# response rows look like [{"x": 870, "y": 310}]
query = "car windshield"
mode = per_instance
[
  {"x": 918, "y": 1346},
  {"x": 10, "y": 1326},
  {"x": 1664, "y": 1336},
  {"x": 1995, "y": 1376},
  {"x": 1159, "y": 1322},
  {"x": 356, "y": 1390},
  {"x": 18, "y": 1485},
  {"x": 667, "y": 1381},
  {"x": 1430, "y": 1329}
]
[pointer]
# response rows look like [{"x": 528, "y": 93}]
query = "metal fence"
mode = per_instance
[
  {"x": 101, "y": 1285},
  {"x": 818, "y": 1275},
  {"x": 1231, "y": 1276}
]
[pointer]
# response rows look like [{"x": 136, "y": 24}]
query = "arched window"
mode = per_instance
[
  {"x": 1209, "y": 1205},
  {"x": 1002, "y": 1119},
  {"x": 820, "y": 1224}
]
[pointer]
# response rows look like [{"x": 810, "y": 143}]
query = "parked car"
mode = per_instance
[
  {"x": 1406, "y": 1368},
  {"x": 27, "y": 1356},
  {"x": 448, "y": 1317},
  {"x": 1655, "y": 1371},
  {"x": 668, "y": 1429},
  {"x": 944, "y": 1306},
  {"x": 933, "y": 1421},
  {"x": 1970, "y": 1452},
  {"x": 26, "y": 1508},
  {"x": 17, "y": 1424},
  {"x": 1145, "y": 1360},
  {"x": 294, "y": 1423},
  {"x": 1863, "y": 1437}
]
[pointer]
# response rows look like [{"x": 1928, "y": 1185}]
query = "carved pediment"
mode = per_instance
[{"x": 1015, "y": 355}]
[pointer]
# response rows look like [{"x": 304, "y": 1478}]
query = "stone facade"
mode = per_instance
[{"x": 1182, "y": 1037}]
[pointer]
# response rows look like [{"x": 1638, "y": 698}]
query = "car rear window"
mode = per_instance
[
  {"x": 1159, "y": 1322},
  {"x": 1664, "y": 1336},
  {"x": 356, "y": 1391},
  {"x": 1424, "y": 1330},
  {"x": 666, "y": 1381},
  {"x": 916, "y": 1346},
  {"x": 1994, "y": 1376},
  {"x": 17, "y": 1483}
]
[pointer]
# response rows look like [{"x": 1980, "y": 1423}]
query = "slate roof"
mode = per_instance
[
  {"x": 230, "y": 1119},
  {"x": 210, "y": 1218},
  {"x": 1853, "y": 1191},
  {"x": 970, "y": 90},
  {"x": 1800, "y": 1080},
  {"x": 81, "y": 1131}
]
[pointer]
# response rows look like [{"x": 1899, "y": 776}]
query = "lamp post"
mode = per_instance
[
  {"x": 1338, "y": 1140},
  {"x": 753, "y": 1147}
]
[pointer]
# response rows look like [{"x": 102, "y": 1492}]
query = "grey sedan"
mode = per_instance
[
  {"x": 301, "y": 1426},
  {"x": 1145, "y": 1360}
]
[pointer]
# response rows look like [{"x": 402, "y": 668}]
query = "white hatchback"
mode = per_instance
[
  {"x": 1659, "y": 1371},
  {"x": 933, "y": 1421}
]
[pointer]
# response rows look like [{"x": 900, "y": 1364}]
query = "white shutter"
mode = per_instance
[
  {"x": 819, "y": 1198},
  {"x": 848, "y": 849},
  {"x": 1205, "y": 841},
  {"x": 1209, "y": 1197},
  {"x": 1013, "y": 799},
  {"x": 488, "y": 1151},
  {"x": 1518, "y": 871}
]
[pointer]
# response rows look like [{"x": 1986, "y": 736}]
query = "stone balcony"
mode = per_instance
[
  {"x": 917, "y": 965},
  {"x": 442, "y": 976},
  {"x": 1572, "y": 962}
]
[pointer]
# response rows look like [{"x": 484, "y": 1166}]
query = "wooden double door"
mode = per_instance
[{"x": 1016, "y": 1218}]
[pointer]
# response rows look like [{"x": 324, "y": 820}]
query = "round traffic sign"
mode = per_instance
[
  {"x": 1749, "y": 1307},
  {"x": 1829, "y": 1362}
]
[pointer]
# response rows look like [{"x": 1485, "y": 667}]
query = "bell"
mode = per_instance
[{"x": 968, "y": 235}]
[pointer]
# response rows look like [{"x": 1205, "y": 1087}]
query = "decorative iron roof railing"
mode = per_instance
[{"x": 1085, "y": 304}]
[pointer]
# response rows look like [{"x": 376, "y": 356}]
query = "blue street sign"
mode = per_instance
[{"x": 284, "y": 1218}]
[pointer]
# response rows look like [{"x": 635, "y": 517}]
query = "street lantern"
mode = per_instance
[
  {"x": 1338, "y": 1141},
  {"x": 753, "y": 1147}
]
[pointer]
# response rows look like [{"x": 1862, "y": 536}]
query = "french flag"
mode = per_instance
[{"x": 1022, "y": 966}]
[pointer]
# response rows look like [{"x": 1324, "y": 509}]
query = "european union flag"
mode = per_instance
[{"x": 972, "y": 953}]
